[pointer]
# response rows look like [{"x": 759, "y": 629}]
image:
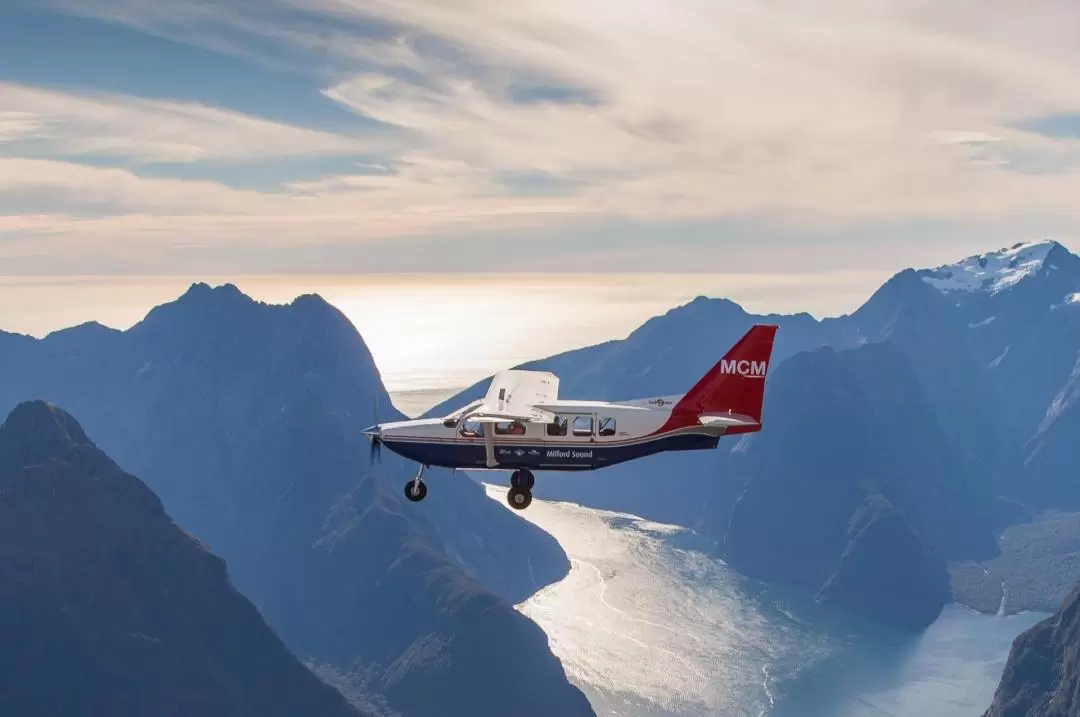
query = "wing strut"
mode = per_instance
[{"x": 489, "y": 445}]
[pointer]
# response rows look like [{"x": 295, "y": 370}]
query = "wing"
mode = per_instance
[
  {"x": 513, "y": 396},
  {"x": 520, "y": 388}
]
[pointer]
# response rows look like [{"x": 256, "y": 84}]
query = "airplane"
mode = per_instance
[{"x": 521, "y": 425}]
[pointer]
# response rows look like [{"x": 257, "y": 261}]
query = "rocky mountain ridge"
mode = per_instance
[{"x": 108, "y": 607}]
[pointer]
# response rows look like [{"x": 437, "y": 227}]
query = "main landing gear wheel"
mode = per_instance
[
  {"x": 519, "y": 498},
  {"x": 522, "y": 478}
]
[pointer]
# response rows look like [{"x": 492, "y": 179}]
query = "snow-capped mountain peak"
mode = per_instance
[{"x": 993, "y": 271}]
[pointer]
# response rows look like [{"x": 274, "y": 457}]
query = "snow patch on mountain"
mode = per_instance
[
  {"x": 993, "y": 271},
  {"x": 984, "y": 322}
]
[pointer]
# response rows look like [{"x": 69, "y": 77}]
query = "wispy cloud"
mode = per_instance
[
  {"x": 47, "y": 205},
  {"x": 50, "y": 123},
  {"x": 834, "y": 114},
  {"x": 730, "y": 108}
]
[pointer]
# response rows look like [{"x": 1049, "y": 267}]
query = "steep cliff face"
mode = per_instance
[
  {"x": 1042, "y": 675},
  {"x": 247, "y": 420},
  {"x": 1054, "y": 452},
  {"x": 851, "y": 476},
  {"x": 107, "y": 607},
  {"x": 886, "y": 572}
]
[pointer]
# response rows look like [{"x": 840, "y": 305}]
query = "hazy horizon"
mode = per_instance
[{"x": 433, "y": 334}]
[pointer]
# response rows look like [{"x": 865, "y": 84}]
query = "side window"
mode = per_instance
[
  {"x": 582, "y": 425},
  {"x": 559, "y": 427},
  {"x": 510, "y": 428},
  {"x": 472, "y": 429},
  {"x": 607, "y": 426}
]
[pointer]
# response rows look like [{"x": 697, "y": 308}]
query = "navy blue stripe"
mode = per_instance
[
  {"x": 551, "y": 441},
  {"x": 583, "y": 456}
]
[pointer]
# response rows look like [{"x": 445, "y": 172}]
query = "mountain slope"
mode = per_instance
[
  {"x": 1020, "y": 328},
  {"x": 873, "y": 519},
  {"x": 1042, "y": 675},
  {"x": 246, "y": 419},
  {"x": 1050, "y": 467},
  {"x": 107, "y": 607}
]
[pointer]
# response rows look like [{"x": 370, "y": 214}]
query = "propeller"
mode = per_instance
[
  {"x": 374, "y": 434},
  {"x": 375, "y": 453}
]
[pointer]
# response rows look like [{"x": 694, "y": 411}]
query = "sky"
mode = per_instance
[{"x": 229, "y": 137}]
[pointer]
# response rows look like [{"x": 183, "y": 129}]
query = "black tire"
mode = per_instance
[
  {"x": 530, "y": 479},
  {"x": 518, "y": 498},
  {"x": 420, "y": 494},
  {"x": 515, "y": 479}
]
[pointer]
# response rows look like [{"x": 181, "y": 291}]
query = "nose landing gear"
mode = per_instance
[
  {"x": 416, "y": 489},
  {"x": 520, "y": 494}
]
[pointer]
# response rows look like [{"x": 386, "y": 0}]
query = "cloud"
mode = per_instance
[
  {"x": 728, "y": 108},
  {"x": 837, "y": 114},
  {"x": 52, "y": 211},
  {"x": 14, "y": 125},
  {"x": 50, "y": 123}
]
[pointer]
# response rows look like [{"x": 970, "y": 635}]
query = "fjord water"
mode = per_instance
[{"x": 648, "y": 624}]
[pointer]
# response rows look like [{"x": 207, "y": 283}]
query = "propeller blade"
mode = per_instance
[{"x": 374, "y": 434}]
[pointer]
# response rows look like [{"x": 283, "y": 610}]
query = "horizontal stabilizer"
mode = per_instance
[{"x": 725, "y": 419}]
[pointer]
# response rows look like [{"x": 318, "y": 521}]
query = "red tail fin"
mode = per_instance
[{"x": 736, "y": 384}]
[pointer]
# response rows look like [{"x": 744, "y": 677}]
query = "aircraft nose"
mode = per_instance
[{"x": 373, "y": 432}]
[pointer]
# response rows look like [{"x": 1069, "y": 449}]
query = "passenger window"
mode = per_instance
[
  {"x": 607, "y": 426},
  {"x": 510, "y": 428},
  {"x": 558, "y": 428},
  {"x": 472, "y": 429},
  {"x": 582, "y": 425}
]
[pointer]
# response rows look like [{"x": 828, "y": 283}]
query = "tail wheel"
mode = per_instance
[
  {"x": 518, "y": 498},
  {"x": 415, "y": 492}
]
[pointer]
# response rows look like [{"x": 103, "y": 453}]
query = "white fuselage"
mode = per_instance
[{"x": 583, "y": 436}]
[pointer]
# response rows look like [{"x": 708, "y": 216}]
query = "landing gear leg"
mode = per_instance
[
  {"x": 416, "y": 489},
  {"x": 520, "y": 494}
]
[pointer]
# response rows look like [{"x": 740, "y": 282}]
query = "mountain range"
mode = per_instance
[
  {"x": 246, "y": 420},
  {"x": 898, "y": 439}
]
